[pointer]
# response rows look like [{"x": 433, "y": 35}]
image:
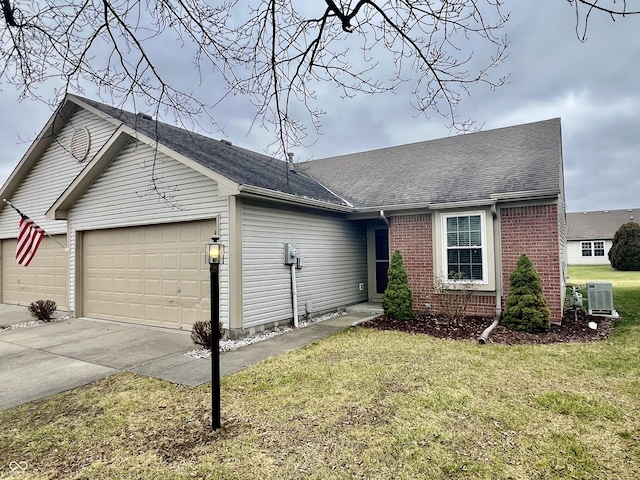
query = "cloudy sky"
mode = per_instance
[{"x": 593, "y": 87}]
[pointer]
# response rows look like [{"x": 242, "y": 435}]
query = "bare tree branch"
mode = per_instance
[
  {"x": 614, "y": 8},
  {"x": 283, "y": 55}
]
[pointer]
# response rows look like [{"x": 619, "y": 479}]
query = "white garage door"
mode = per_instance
[
  {"x": 153, "y": 275},
  {"x": 46, "y": 277}
]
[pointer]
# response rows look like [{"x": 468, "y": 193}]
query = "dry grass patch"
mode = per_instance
[{"x": 362, "y": 404}]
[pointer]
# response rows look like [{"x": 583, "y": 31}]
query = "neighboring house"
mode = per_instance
[
  {"x": 590, "y": 234},
  {"x": 136, "y": 201}
]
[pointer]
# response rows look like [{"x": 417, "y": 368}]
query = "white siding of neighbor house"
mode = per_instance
[
  {"x": 51, "y": 175},
  {"x": 574, "y": 250},
  {"x": 122, "y": 196},
  {"x": 335, "y": 262}
]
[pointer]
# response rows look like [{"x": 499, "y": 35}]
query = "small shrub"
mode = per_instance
[
  {"x": 397, "y": 301},
  {"x": 42, "y": 309},
  {"x": 526, "y": 308},
  {"x": 453, "y": 299},
  {"x": 201, "y": 334},
  {"x": 625, "y": 250}
]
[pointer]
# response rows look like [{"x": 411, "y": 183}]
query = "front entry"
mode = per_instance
[{"x": 378, "y": 260}]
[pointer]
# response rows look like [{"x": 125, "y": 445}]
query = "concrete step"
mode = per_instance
[{"x": 367, "y": 307}]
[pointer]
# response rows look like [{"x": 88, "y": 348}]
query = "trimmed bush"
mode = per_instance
[
  {"x": 201, "y": 334},
  {"x": 526, "y": 308},
  {"x": 42, "y": 309},
  {"x": 625, "y": 250},
  {"x": 397, "y": 300}
]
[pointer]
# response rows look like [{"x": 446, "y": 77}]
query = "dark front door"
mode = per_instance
[{"x": 378, "y": 261}]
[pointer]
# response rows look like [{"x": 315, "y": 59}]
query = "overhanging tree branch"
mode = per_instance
[{"x": 285, "y": 56}]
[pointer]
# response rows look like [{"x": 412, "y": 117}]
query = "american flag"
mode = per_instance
[{"x": 29, "y": 238}]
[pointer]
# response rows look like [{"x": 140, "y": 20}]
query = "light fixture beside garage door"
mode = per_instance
[{"x": 80, "y": 143}]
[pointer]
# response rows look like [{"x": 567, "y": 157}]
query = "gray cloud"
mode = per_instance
[{"x": 592, "y": 86}]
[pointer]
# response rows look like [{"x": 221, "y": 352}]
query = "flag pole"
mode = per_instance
[{"x": 66, "y": 249}]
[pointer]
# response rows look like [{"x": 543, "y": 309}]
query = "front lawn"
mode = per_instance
[{"x": 361, "y": 404}]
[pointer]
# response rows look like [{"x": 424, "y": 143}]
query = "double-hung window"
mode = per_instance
[
  {"x": 592, "y": 249},
  {"x": 465, "y": 255},
  {"x": 598, "y": 249}
]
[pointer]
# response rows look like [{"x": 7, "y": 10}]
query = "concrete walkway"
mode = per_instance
[{"x": 39, "y": 361}]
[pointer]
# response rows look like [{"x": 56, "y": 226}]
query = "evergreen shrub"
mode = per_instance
[
  {"x": 526, "y": 308},
  {"x": 625, "y": 251},
  {"x": 397, "y": 301}
]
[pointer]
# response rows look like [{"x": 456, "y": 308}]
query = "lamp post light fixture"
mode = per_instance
[{"x": 215, "y": 257}]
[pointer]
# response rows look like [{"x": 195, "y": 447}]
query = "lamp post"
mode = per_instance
[{"x": 215, "y": 257}]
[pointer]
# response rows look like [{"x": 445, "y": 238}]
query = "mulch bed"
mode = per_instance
[{"x": 472, "y": 327}]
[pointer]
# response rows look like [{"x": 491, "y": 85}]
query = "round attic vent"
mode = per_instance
[{"x": 80, "y": 143}]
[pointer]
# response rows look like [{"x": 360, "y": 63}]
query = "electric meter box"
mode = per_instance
[{"x": 290, "y": 253}]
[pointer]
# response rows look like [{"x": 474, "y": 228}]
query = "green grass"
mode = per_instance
[
  {"x": 579, "y": 274},
  {"x": 626, "y": 293},
  {"x": 361, "y": 404}
]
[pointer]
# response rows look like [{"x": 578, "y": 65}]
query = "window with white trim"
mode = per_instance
[
  {"x": 592, "y": 249},
  {"x": 598, "y": 249},
  {"x": 465, "y": 256}
]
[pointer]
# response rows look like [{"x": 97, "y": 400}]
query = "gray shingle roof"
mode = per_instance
[
  {"x": 242, "y": 166},
  {"x": 454, "y": 169},
  {"x": 601, "y": 225}
]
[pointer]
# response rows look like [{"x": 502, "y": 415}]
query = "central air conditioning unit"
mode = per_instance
[{"x": 600, "y": 298}]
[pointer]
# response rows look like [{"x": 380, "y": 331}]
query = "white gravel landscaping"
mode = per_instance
[
  {"x": 32, "y": 323},
  {"x": 228, "y": 345}
]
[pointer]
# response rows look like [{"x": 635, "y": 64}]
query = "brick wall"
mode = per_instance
[
  {"x": 413, "y": 236},
  {"x": 533, "y": 231}
]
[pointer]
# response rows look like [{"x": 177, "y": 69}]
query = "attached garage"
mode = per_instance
[
  {"x": 46, "y": 277},
  {"x": 152, "y": 275}
]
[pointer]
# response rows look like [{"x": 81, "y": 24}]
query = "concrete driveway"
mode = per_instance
[
  {"x": 39, "y": 361},
  {"x": 45, "y": 359}
]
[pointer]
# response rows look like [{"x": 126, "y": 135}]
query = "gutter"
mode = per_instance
[
  {"x": 259, "y": 192},
  {"x": 528, "y": 195},
  {"x": 493, "y": 199}
]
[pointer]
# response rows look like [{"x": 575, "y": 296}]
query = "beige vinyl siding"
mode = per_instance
[
  {"x": 51, "y": 175},
  {"x": 44, "y": 279},
  {"x": 123, "y": 196},
  {"x": 335, "y": 262}
]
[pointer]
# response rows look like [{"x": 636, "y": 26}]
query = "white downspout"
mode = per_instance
[
  {"x": 498, "y": 272},
  {"x": 294, "y": 294},
  {"x": 384, "y": 219}
]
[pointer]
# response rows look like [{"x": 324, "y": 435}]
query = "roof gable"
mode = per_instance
[
  {"x": 51, "y": 164},
  {"x": 239, "y": 165},
  {"x": 463, "y": 168}
]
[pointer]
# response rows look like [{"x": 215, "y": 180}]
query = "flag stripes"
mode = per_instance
[{"x": 29, "y": 238}]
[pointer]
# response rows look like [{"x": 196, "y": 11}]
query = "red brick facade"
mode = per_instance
[
  {"x": 531, "y": 230},
  {"x": 412, "y": 235},
  {"x": 534, "y": 231}
]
